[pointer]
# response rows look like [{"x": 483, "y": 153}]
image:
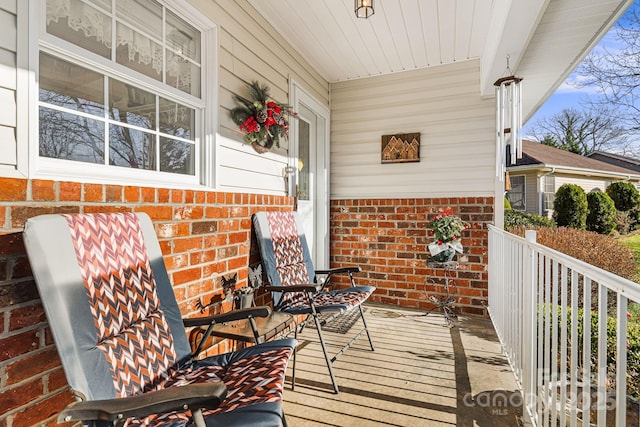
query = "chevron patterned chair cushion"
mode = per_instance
[
  {"x": 288, "y": 262},
  {"x": 118, "y": 327}
]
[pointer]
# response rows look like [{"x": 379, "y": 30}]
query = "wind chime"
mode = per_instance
[{"x": 508, "y": 121}]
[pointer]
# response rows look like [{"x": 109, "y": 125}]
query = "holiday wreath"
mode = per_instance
[{"x": 263, "y": 120}]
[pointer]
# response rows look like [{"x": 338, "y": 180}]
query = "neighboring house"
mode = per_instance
[
  {"x": 618, "y": 160},
  {"x": 543, "y": 169},
  {"x": 123, "y": 105}
]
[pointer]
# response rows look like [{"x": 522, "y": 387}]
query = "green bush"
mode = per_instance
[
  {"x": 513, "y": 218},
  {"x": 596, "y": 249},
  {"x": 624, "y": 195},
  {"x": 624, "y": 222},
  {"x": 633, "y": 346},
  {"x": 570, "y": 207},
  {"x": 601, "y": 216}
]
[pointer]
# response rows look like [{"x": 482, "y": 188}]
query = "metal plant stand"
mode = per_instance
[{"x": 445, "y": 302}]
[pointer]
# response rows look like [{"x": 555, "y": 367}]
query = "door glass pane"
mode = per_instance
[
  {"x": 129, "y": 104},
  {"x": 81, "y": 24},
  {"x": 70, "y": 86},
  {"x": 131, "y": 148},
  {"x": 304, "y": 137},
  {"x": 71, "y": 137},
  {"x": 177, "y": 156}
]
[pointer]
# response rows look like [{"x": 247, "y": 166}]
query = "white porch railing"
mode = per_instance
[{"x": 537, "y": 300}]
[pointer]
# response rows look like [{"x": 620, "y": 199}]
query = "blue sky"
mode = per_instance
[{"x": 568, "y": 95}]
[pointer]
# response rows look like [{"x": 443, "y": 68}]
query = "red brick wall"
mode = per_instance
[
  {"x": 203, "y": 235},
  {"x": 388, "y": 238}
]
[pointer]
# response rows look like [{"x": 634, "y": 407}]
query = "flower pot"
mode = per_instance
[
  {"x": 244, "y": 300},
  {"x": 444, "y": 256}
]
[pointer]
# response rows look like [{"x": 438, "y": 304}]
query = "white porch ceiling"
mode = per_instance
[
  {"x": 545, "y": 39},
  {"x": 401, "y": 35}
]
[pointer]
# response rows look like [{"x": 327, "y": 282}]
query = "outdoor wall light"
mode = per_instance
[{"x": 363, "y": 8}]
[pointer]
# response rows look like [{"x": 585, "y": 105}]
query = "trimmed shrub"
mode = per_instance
[
  {"x": 596, "y": 249},
  {"x": 601, "y": 216},
  {"x": 513, "y": 218},
  {"x": 633, "y": 345},
  {"x": 624, "y": 222},
  {"x": 624, "y": 195},
  {"x": 570, "y": 207}
]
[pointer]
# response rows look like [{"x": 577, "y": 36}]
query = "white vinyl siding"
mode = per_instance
[
  {"x": 443, "y": 104},
  {"x": 586, "y": 183},
  {"x": 9, "y": 162},
  {"x": 250, "y": 49}
]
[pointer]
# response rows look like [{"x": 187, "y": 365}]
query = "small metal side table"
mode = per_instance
[
  {"x": 268, "y": 328},
  {"x": 445, "y": 302}
]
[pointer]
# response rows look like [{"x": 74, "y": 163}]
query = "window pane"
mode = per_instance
[
  {"x": 177, "y": 157},
  {"x": 131, "y": 148},
  {"x": 80, "y": 24},
  {"x": 183, "y": 74},
  {"x": 70, "y": 86},
  {"x": 176, "y": 119},
  {"x": 104, "y": 4},
  {"x": 183, "y": 41},
  {"x": 516, "y": 195},
  {"x": 549, "y": 184},
  {"x": 138, "y": 52},
  {"x": 182, "y": 38},
  {"x": 304, "y": 137},
  {"x": 71, "y": 137},
  {"x": 129, "y": 104},
  {"x": 143, "y": 15}
]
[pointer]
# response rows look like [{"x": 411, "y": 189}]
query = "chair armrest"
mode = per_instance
[
  {"x": 244, "y": 313},
  {"x": 192, "y": 396},
  {"x": 340, "y": 270},
  {"x": 295, "y": 288}
]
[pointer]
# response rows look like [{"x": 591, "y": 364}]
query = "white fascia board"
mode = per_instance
[
  {"x": 513, "y": 23},
  {"x": 576, "y": 171}
]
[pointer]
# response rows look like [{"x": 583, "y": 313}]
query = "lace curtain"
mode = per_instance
[{"x": 95, "y": 24}]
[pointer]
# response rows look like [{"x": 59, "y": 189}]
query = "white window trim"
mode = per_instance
[{"x": 31, "y": 15}]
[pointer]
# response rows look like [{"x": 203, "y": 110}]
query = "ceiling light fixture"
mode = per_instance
[{"x": 364, "y": 8}]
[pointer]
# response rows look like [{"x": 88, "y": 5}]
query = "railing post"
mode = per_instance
[{"x": 529, "y": 299}]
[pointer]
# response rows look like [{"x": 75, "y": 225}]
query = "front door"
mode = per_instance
[{"x": 310, "y": 160}]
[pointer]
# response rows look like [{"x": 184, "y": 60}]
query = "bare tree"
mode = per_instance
[
  {"x": 581, "y": 132},
  {"x": 615, "y": 71}
]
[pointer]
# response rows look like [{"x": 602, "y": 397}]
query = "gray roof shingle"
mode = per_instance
[{"x": 534, "y": 153}]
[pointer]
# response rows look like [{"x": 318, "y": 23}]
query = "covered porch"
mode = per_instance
[
  {"x": 422, "y": 373},
  {"x": 431, "y": 71}
]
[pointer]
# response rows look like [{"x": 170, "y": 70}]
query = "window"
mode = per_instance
[
  {"x": 120, "y": 90},
  {"x": 516, "y": 195},
  {"x": 549, "y": 193}
]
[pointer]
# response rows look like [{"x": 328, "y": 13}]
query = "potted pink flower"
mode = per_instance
[{"x": 446, "y": 230}]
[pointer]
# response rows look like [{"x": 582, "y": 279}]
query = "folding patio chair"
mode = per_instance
[
  {"x": 121, "y": 338},
  {"x": 294, "y": 283}
]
